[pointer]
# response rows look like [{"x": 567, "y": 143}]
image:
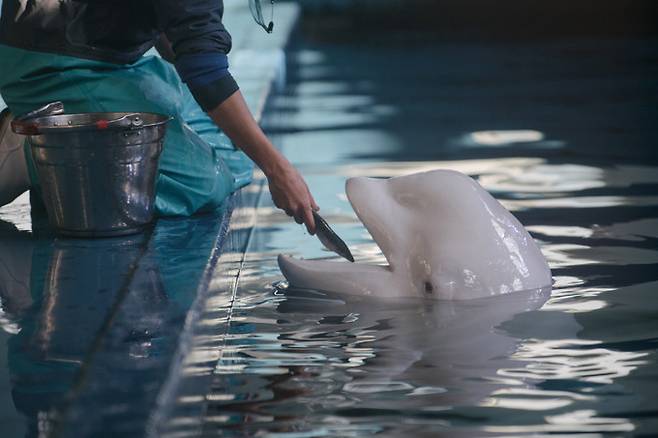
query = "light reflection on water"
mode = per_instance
[
  {"x": 303, "y": 363},
  {"x": 583, "y": 360}
]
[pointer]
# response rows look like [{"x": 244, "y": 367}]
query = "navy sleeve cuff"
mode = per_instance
[
  {"x": 211, "y": 95},
  {"x": 207, "y": 76}
]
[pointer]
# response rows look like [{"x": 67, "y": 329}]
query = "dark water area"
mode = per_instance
[
  {"x": 477, "y": 20},
  {"x": 564, "y": 135}
]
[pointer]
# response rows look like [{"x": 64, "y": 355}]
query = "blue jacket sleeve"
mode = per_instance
[{"x": 200, "y": 42}]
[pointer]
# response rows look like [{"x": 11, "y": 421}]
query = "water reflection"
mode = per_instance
[
  {"x": 302, "y": 362},
  {"x": 58, "y": 298},
  {"x": 502, "y": 138},
  {"x": 577, "y": 359},
  {"x": 90, "y": 326},
  {"x": 358, "y": 358},
  {"x": 518, "y": 176},
  {"x": 543, "y": 129},
  {"x": 548, "y": 135},
  {"x": 421, "y": 349},
  {"x": 296, "y": 361}
]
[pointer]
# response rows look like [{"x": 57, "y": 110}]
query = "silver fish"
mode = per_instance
[{"x": 330, "y": 239}]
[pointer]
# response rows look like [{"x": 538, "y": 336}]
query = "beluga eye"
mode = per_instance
[{"x": 428, "y": 287}]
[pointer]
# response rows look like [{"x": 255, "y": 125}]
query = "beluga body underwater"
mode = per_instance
[{"x": 444, "y": 237}]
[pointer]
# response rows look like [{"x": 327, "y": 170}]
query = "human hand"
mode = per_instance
[{"x": 291, "y": 194}]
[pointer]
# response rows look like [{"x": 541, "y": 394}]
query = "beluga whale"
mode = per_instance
[{"x": 444, "y": 237}]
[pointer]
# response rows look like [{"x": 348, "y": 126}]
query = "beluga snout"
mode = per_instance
[{"x": 443, "y": 236}]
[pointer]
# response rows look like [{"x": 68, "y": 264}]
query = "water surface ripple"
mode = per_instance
[{"x": 546, "y": 132}]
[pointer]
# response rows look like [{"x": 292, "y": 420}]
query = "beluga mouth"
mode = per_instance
[{"x": 443, "y": 236}]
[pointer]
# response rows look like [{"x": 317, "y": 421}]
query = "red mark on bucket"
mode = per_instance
[{"x": 102, "y": 124}]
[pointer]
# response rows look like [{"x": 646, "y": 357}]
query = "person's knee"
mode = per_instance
[{"x": 14, "y": 176}]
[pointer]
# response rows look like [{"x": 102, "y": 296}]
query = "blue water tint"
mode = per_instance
[
  {"x": 564, "y": 136},
  {"x": 89, "y": 328}
]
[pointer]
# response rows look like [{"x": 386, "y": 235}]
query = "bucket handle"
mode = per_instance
[
  {"x": 133, "y": 120},
  {"x": 21, "y": 124}
]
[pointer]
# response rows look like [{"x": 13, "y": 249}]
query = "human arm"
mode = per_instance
[
  {"x": 287, "y": 187},
  {"x": 200, "y": 43}
]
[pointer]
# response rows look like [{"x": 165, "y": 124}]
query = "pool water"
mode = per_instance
[{"x": 564, "y": 135}]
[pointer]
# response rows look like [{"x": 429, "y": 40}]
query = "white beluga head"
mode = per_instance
[{"x": 443, "y": 235}]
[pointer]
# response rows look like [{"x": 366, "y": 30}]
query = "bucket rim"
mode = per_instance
[{"x": 88, "y": 121}]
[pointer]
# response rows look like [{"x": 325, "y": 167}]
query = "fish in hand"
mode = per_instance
[{"x": 330, "y": 239}]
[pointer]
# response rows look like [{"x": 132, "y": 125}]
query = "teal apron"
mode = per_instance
[{"x": 199, "y": 166}]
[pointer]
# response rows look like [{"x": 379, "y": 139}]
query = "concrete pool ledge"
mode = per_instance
[{"x": 108, "y": 330}]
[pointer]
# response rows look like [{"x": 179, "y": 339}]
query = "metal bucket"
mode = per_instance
[{"x": 97, "y": 171}]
